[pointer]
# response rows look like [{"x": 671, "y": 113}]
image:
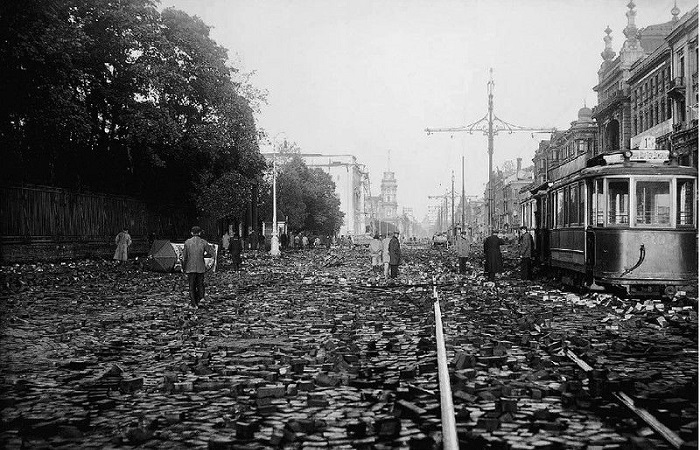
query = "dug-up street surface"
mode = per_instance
[{"x": 314, "y": 350}]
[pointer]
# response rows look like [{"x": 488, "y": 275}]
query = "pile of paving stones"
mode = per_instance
[{"x": 314, "y": 350}]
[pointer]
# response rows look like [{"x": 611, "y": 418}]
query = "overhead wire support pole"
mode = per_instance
[
  {"x": 453, "y": 202},
  {"x": 490, "y": 125}
]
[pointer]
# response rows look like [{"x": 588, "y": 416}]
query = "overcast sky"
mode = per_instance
[{"x": 364, "y": 77}]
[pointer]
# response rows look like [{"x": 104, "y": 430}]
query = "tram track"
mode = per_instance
[{"x": 585, "y": 370}]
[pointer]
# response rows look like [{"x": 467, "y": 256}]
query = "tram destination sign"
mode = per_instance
[{"x": 649, "y": 155}]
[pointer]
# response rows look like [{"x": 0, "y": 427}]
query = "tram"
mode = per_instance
[{"x": 624, "y": 220}]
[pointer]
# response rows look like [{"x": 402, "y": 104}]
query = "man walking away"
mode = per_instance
[
  {"x": 462, "y": 250},
  {"x": 394, "y": 255},
  {"x": 193, "y": 264},
  {"x": 123, "y": 241},
  {"x": 235, "y": 249},
  {"x": 525, "y": 246},
  {"x": 375, "y": 250},
  {"x": 493, "y": 263}
]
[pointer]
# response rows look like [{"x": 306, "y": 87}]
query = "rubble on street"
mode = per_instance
[{"x": 314, "y": 350}]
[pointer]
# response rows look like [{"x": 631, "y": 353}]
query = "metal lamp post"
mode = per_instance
[{"x": 275, "y": 241}]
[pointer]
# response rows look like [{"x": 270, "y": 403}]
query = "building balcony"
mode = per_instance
[
  {"x": 614, "y": 98},
  {"x": 677, "y": 89}
]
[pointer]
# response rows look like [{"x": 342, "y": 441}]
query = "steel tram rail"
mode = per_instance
[{"x": 449, "y": 427}]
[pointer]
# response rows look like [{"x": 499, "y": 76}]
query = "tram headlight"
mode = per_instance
[{"x": 627, "y": 154}]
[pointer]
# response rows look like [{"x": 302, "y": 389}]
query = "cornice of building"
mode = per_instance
[
  {"x": 650, "y": 63},
  {"x": 684, "y": 26}
]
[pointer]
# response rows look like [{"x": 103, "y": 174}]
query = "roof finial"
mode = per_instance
[
  {"x": 675, "y": 11},
  {"x": 631, "y": 30},
  {"x": 608, "y": 54}
]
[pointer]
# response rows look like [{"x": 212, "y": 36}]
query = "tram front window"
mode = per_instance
[
  {"x": 618, "y": 202},
  {"x": 653, "y": 203},
  {"x": 684, "y": 199}
]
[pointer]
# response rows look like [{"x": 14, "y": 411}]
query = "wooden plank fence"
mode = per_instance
[{"x": 47, "y": 223}]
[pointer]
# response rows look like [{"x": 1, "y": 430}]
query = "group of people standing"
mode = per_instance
[
  {"x": 493, "y": 260},
  {"x": 386, "y": 251}
]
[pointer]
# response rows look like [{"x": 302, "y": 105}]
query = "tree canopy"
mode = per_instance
[
  {"x": 119, "y": 97},
  {"x": 305, "y": 196}
]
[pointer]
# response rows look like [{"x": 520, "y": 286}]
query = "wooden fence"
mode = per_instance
[{"x": 47, "y": 223}]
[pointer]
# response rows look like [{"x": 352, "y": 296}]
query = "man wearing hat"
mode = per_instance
[
  {"x": 193, "y": 264},
  {"x": 394, "y": 255},
  {"x": 525, "y": 246},
  {"x": 462, "y": 250}
]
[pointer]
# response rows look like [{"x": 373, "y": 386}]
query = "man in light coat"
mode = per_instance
[
  {"x": 123, "y": 241},
  {"x": 462, "y": 248},
  {"x": 375, "y": 250},
  {"x": 193, "y": 264}
]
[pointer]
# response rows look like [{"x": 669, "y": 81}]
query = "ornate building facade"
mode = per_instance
[{"x": 631, "y": 86}]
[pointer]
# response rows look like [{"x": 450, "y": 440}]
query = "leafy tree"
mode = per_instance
[
  {"x": 118, "y": 97},
  {"x": 305, "y": 196}
]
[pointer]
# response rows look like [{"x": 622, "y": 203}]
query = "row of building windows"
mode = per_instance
[
  {"x": 655, "y": 86},
  {"x": 572, "y": 148},
  {"x": 655, "y": 114}
]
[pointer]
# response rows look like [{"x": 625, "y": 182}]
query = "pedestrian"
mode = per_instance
[
  {"x": 225, "y": 242},
  {"x": 525, "y": 246},
  {"x": 284, "y": 241},
  {"x": 123, "y": 241},
  {"x": 351, "y": 244},
  {"x": 304, "y": 242},
  {"x": 493, "y": 262},
  {"x": 462, "y": 249},
  {"x": 328, "y": 242},
  {"x": 375, "y": 250},
  {"x": 394, "y": 255},
  {"x": 235, "y": 248},
  {"x": 193, "y": 264},
  {"x": 385, "y": 255},
  {"x": 317, "y": 242},
  {"x": 297, "y": 241},
  {"x": 151, "y": 240}
]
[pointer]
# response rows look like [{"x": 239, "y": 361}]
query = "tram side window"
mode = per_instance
[
  {"x": 653, "y": 203},
  {"x": 597, "y": 204},
  {"x": 560, "y": 208},
  {"x": 685, "y": 191},
  {"x": 618, "y": 202},
  {"x": 581, "y": 203},
  {"x": 573, "y": 205}
]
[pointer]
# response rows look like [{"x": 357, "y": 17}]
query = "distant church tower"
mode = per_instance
[{"x": 388, "y": 188}]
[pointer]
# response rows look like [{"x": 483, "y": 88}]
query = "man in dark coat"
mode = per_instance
[
  {"x": 284, "y": 241},
  {"x": 394, "y": 255},
  {"x": 235, "y": 247},
  {"x": 193, "y": 264},
  {"x": 493, "y": 262},
  {"x": 525, "y": 246}
]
